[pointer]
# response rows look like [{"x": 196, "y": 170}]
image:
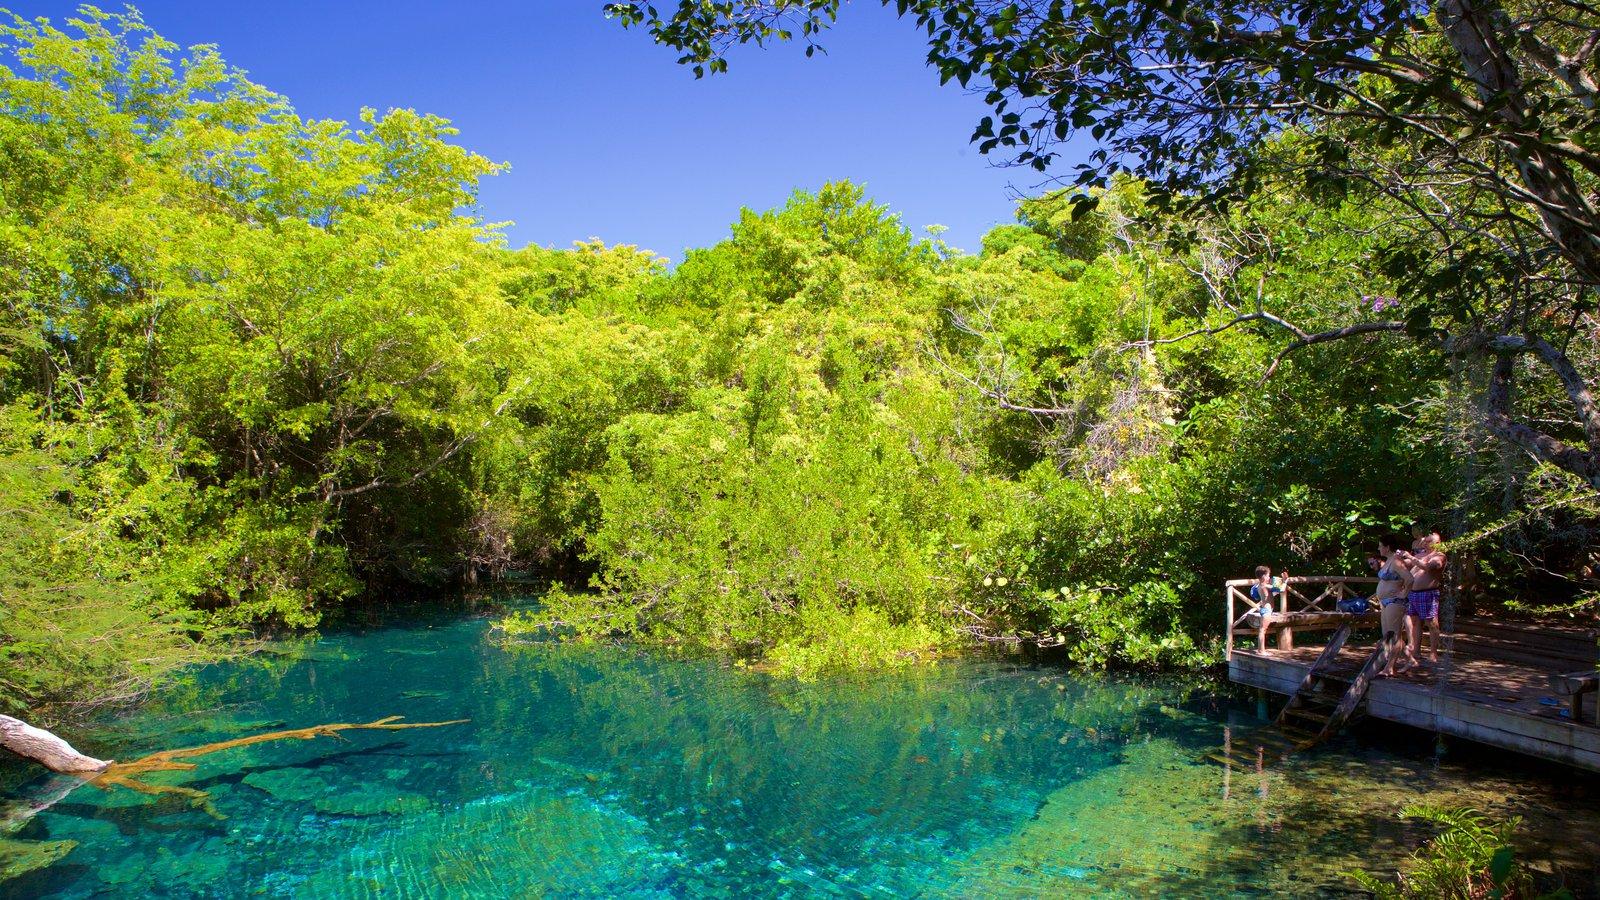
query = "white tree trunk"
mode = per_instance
[{"x": 46, "y": 749}]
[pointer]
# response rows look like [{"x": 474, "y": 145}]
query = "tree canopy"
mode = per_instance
[
  {"x": 1473, "y": 122},
  {"x": 261, "y": 369}
]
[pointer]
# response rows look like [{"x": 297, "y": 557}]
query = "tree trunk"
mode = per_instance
[{"x": 46, "y": 749}]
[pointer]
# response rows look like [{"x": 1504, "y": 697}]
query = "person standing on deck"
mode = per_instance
[
  {"x": 1427, "y": 564},
  {"x": 1262, "y": 592},
  {"x": 1394, "y": 584},
  {"x": 1266, "y": 587}
]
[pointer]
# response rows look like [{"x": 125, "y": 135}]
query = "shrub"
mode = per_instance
[{"x": 1471, "y": 858}]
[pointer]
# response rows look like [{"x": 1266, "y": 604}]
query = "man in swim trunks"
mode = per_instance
[{"x": 1427, "y": 564}]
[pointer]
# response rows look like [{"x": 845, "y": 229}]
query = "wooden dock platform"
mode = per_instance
[{"x": 1493, "y": 683}]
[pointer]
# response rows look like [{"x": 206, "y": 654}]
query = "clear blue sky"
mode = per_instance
[{"x": 606, "y": 135}]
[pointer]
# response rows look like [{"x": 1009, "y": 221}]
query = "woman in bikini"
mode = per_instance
[{"x": 1394, "y": 585}]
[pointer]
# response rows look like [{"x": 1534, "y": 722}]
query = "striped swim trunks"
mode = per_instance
[{"x": 1423, "y": 604}]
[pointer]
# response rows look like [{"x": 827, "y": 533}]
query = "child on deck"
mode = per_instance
[{"x": 1262, "y": 592}]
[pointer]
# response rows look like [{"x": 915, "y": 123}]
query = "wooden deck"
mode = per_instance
[
  {"x": 1485, "y": 700},
  {"x": 1492, "y": 683}
]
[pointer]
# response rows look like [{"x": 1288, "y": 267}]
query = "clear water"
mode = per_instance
[{"x": 598, "y": 771}]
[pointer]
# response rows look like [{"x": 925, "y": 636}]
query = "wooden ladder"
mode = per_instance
[{"x": 1322, "y": 704}]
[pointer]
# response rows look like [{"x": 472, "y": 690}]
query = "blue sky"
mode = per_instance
[{"x": 606, "y": 136}]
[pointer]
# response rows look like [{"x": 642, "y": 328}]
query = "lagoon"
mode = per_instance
[{"x": 606, "y": 771}]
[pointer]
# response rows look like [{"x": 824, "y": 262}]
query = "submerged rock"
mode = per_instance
[
  {"x": 336, "y": 799},
  {"x": 290, "y": 785},
  {"x": 534, "y": 841},
  {"x": 1125, "y": 828},
  {"x": 21, "y": 857}
]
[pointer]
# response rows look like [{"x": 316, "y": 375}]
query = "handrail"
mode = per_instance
[
  {"x": 1334, "y": 588},
  {"x": 1308, "y": 579}
]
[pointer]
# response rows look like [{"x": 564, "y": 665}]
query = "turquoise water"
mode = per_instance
[{"x": 600, "y": 771}]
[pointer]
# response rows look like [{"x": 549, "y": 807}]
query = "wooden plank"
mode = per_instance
[
  {"x": 1553, "y": 643},
  {"x": 1313, "y": 626},
  {"x": 1552, "y": 649},
  {"x": 1527, "y": 630},
  {"x": 1310, "y": 579},
  {"x": 1357, "y": 691},
  {"x": 1326, "y": 657},
  {"x": 1532, "y": 658},
  {"x": 1320, "y": 618},
  {"x": 1560, "y": 731},
  {"x": 1538, "y": 657},
  {"x": 1257, "y": 671},
  {"x": 1571, "y": 754},
  {"x": 1309, "y": 715},
  {"x": 1426, "y": 707}
]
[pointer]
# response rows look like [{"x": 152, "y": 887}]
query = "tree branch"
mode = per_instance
[
  {"x": 1497, "y": 415},
  {"x": 1336, "y": 334}
]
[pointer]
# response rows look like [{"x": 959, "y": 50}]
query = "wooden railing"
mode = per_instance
[{"x": 1303, "y": 595}]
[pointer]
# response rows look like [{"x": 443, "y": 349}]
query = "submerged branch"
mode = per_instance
[{"x": 57, "y": 755}]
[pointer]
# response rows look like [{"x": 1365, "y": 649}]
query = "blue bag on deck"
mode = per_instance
[{"x": 1357, "y": 605}]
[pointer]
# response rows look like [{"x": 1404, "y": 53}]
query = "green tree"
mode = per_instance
[{"x": 1474, "y": 122}]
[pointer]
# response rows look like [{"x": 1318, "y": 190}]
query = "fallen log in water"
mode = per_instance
[
  {"x": 46, "y": 749},
  {"x": 57, "y": 755}
]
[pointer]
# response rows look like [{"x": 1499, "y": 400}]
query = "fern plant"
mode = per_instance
[{"x": 1472, "y": 858}]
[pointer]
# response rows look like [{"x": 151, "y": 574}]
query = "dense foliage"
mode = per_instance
[
  {"x": 260, "y": 367},
  {"x": 1472, "y": 122}
]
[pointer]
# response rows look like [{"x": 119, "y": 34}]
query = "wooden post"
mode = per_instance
[
  {"x": 1227, "y": 629},
  {"x": 1285, "y": 634}
]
